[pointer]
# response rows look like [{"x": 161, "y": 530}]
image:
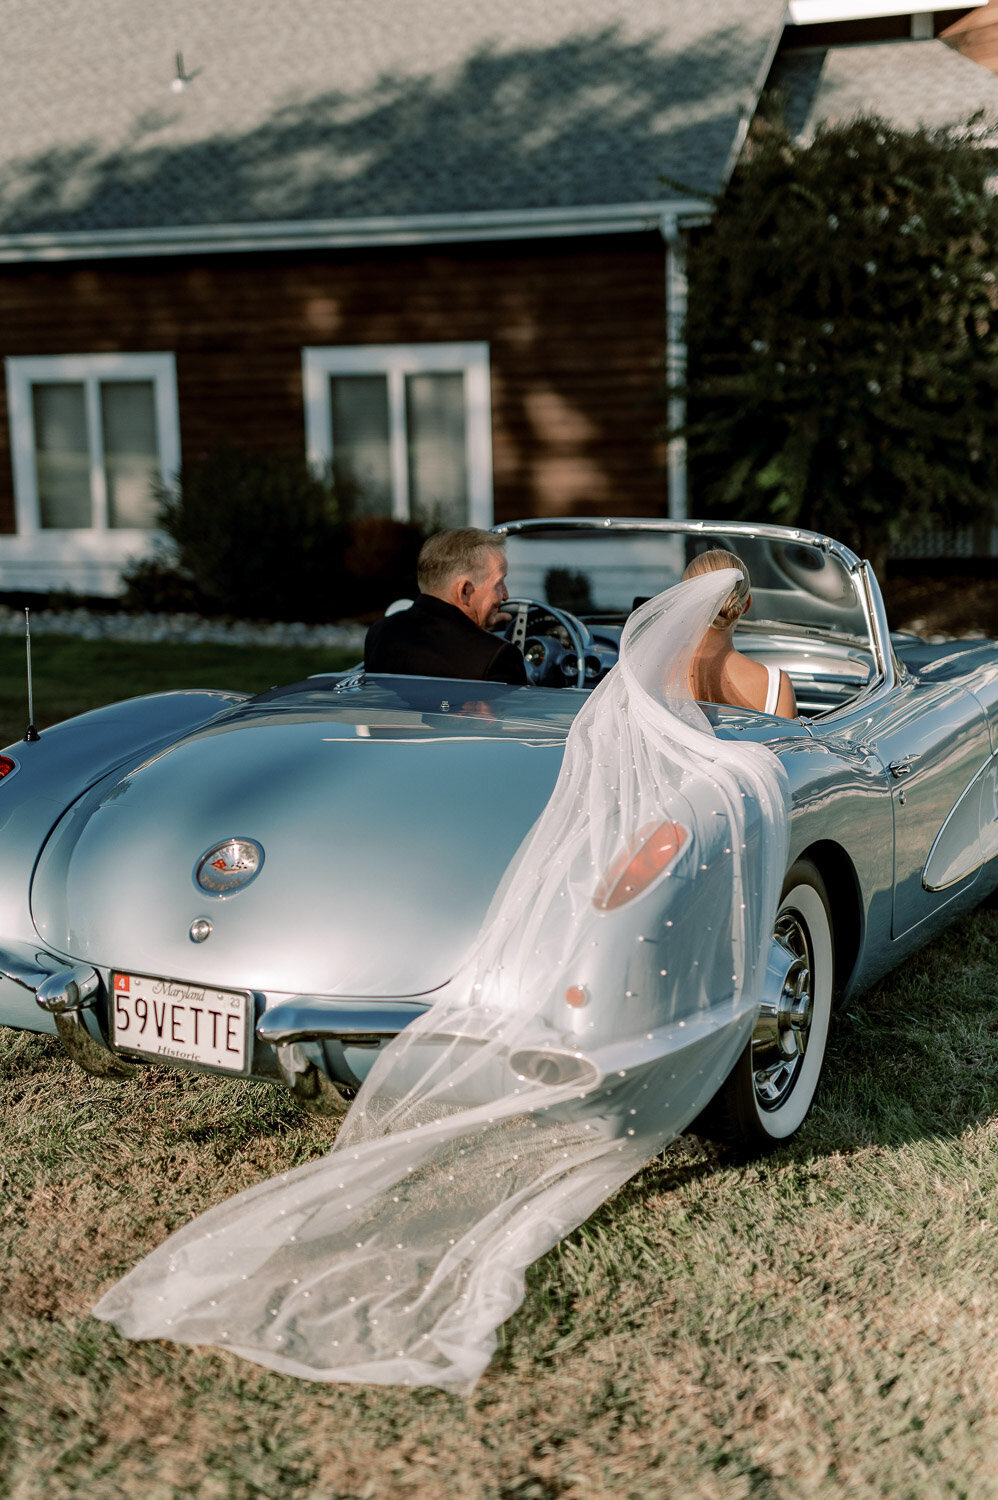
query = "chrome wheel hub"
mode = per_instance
[{"x": 779, "y": 1041}]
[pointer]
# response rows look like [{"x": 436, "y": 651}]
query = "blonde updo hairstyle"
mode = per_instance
[{"x": 736, "y": 603}]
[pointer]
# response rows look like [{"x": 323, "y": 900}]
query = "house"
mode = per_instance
[{"x": 439, "y": 247}]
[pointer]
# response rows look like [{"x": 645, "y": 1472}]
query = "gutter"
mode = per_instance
[
  {"x": 347, "y": 234},
  {"x": 676, "y": 307},
  {"x": 812, "y": 12}
]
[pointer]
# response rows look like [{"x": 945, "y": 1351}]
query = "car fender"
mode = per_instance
[{"x": 51, "y": 773}]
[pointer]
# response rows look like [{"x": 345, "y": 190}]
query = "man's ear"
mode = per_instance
[{"x": 464, "y": 588}]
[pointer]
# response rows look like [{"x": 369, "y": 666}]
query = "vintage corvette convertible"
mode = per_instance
[{"x": 273, "y": 886}]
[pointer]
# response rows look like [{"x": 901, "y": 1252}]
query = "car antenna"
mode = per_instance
[{"x": 31, "y": 733}]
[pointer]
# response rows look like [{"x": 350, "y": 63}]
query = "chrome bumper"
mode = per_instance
[
  {"x": 307, "y": 1032},
  {"x": 308, "y": 1035},
  {"x": 65, "y": 991}
]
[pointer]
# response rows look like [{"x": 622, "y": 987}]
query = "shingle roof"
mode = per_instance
[
  {"x": 339, "y": 109},
  {"x": 910, "y": 84}
]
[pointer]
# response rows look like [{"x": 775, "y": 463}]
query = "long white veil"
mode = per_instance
[{"x": 598, "y": 1011}]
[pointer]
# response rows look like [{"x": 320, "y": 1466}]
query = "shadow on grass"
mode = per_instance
[
  {"x": 180, "y": 1109},
  {"x": 913, "y": 1060},
  {"x": 917, "y": 1056}
]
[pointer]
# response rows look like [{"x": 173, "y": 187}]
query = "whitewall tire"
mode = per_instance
[{"x": 771, "y": 1088}]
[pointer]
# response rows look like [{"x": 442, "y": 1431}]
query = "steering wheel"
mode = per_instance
[{"x": 535, "y": 648}]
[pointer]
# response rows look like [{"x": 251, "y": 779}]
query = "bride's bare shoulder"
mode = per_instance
[{"x": 750, "y": 679}]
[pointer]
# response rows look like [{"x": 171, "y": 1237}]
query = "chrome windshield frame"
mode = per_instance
[{"x": 885, "y": 667}]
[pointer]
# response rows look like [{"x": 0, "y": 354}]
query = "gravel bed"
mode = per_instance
[{"x": 91, "y": 625}]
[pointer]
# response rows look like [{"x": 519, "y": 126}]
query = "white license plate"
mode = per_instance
[{"x": 185, "y": 1022}]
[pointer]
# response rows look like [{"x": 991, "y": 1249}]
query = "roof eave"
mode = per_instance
[{"x": 348, "y": 234}]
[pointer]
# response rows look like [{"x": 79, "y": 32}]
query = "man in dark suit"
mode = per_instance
[{"x": 445, "y": 633}]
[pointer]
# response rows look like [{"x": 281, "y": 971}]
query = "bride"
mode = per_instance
[{"x": 719, "y": 673}]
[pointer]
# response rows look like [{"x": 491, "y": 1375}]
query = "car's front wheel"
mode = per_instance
[{"x": 768, "y": 1093}]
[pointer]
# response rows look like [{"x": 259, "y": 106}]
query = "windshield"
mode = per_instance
[
  {"x": 605, "y": 571},
  {"x": 384, "y": 706}
]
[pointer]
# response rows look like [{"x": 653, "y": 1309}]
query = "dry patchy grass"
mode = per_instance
[{"x": 817, "y": 1323}]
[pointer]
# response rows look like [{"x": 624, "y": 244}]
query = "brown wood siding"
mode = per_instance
[
  {"x": 975, "y": 34},
  {"x": 576, "y": 330}
]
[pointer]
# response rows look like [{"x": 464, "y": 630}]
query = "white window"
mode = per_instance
[
  {"x": 405, "y": 429},
  {"x": 91, "y": 434}
]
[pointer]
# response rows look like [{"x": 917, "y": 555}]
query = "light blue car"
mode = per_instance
[{"x": 274, "y": 886}]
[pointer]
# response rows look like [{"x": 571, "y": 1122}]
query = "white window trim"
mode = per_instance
[
  {"x": 89, "y": 369},
  {"x": 396, "y": 361}
]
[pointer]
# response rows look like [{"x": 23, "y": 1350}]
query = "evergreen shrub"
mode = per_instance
[
  {"x": 260, "y": 536},
  {"x": 843, "y": 334}
]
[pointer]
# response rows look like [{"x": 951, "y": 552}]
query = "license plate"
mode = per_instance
[{"x": 184, "y": 1022}]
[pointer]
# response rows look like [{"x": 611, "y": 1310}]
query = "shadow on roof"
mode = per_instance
[{"x": 596, "y": 120}]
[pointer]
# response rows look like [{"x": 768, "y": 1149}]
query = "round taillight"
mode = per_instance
[{"x": 6, "y": 766}]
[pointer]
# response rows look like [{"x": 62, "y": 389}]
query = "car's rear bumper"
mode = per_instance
[
  {"x": 323, "y": 1047},
  {"x": 320, "y": 1047}
]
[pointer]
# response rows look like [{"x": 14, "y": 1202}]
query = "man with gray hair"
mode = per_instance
[{"x": 446, "y": 632}]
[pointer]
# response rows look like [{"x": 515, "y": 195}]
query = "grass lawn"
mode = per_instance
[
  {"x": 817, "y": 1323},
  {"x": 71, "y": 675},
  {"x": 820, "y": 1322}
]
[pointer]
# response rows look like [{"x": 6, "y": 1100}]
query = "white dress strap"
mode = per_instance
[{"x": 773, "y": 690}]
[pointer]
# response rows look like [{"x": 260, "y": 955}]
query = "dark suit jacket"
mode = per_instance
[{"x": 436, "y": 639}]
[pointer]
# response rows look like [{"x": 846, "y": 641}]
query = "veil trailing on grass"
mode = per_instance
[{"x": 611, "y": 988}]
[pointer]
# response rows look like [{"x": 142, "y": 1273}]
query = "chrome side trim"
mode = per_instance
[
  {"x": 28, "y": 966},
  {"x": 969, "y": 836}
]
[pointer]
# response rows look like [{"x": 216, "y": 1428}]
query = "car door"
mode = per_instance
[{"x": 932, "y": 740}]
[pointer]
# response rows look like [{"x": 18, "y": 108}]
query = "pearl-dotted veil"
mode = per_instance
[{"x": 609, "y": 991}]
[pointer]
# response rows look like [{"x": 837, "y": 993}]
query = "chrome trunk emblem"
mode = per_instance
[{"x": 228, "y": 866}]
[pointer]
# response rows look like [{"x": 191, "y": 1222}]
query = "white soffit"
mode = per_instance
[{"x": 809, "y": 12}]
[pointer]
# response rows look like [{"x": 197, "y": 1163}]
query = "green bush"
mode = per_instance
[
  {"x": 379, "y": 562},
  {"x": 569, "y": 588},
  {"x": 259, "y": 536},
  {"x": 843, "y": 334},
  {"x": 157, "y": 585}
]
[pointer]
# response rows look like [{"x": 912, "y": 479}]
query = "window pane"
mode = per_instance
[
  {"x": 359, "y": 405},
  {"x": 62, "y": 461},
  {"x": 438, "y": 479},
  {"x": 131, "y": 458}
]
